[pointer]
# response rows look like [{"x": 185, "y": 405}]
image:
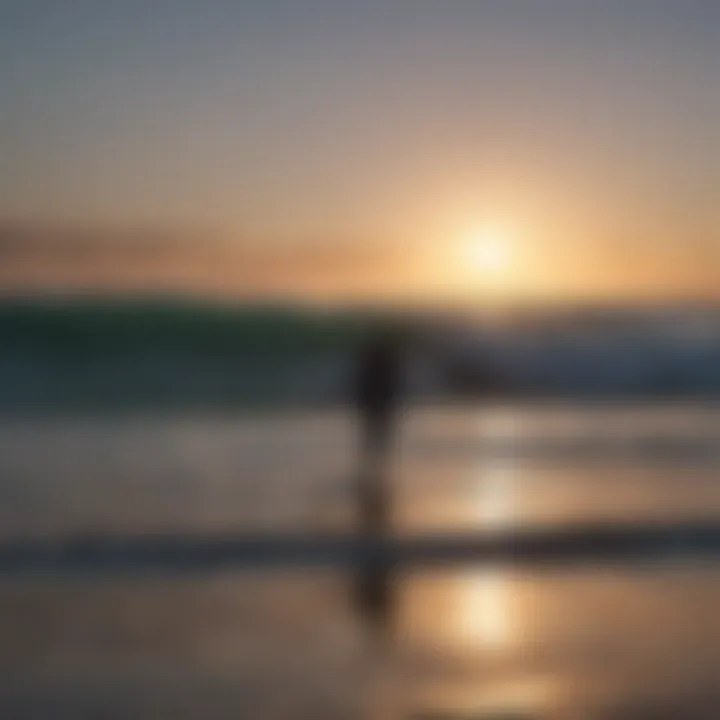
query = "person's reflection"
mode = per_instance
[{"x": 377, "y": 389}]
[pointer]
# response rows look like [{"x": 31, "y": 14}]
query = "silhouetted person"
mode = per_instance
[
  {"x": 378, "y": 382},
  {"x": 377, "y": 390}
]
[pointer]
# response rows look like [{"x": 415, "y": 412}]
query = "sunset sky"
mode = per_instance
[{"x": 413, "y": 148}]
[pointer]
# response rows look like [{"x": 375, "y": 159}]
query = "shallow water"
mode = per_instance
[{"x": 623, "y": 641}]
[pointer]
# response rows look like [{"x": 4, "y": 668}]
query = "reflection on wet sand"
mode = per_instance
[
  {"x": 627, "y": 641},
  {"x": 463, "y": 614},
  {"x": 482, "y": 616},
  {"x": 504, "y": 642}
]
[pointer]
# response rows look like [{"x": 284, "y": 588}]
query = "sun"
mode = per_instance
[{"x": 488, "y": 251}]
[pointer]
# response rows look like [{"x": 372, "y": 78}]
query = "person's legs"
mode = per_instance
[
  {"x": 373, "y": 491},
  {"x": 377, "y": 439}
]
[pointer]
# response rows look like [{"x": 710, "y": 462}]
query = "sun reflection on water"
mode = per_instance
[{"x": 484, "y": 613}]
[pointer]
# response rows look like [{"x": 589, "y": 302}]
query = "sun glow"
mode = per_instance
[{"x": 489, "y": 251}]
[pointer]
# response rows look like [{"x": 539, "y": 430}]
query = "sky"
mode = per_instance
[{"x": 425, "y": 148}]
